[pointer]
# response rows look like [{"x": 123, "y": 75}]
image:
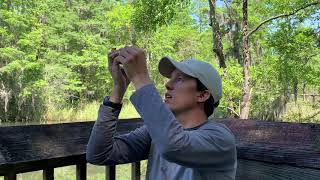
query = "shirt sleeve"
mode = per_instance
[
  {"x": 104, "y": 148},
  {"x": 210, "y": 146}
]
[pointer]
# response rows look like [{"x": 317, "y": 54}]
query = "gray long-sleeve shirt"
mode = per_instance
[{"x": 206, "y": 152}]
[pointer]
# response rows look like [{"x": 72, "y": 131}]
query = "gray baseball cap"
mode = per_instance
[{"x": 201, "y": 70}]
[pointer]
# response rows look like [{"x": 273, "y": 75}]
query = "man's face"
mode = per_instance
[{"x": 181, "y": 92}]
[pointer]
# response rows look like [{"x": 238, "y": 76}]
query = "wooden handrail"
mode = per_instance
[{"x": 294, "y": 146}]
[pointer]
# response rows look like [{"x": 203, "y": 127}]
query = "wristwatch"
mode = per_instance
[{"x": 107, "y": 102}]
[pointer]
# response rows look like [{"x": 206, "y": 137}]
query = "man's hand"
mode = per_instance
[
  {"x": 134, "y": 63},
  {"x": 120, "y": 79}
]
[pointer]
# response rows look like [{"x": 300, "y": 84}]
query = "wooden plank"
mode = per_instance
[
  {"x": 81, "y": 171},
  {"x": 110, "y": 172},
  {"x": 296, "y": 144},
  {"x": 35, "y": 147},
  {"x": 48, "y": 174},
  {"x": 42, "y": 164},
  {"x": 254, "y": 170},
  {"x": 26, "y": 146},
  {"x": 135, "y": 171}
]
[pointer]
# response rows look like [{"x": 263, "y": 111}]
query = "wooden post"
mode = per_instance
[
  {"x": 313, "y": 98},
  {"x": 110, "y": 172},
  {"x": 48, "y": 174},
  {"x": 135, "y": 171},
  {"x": 10, "y": 176},
  {"x": 82, "y": 171}
]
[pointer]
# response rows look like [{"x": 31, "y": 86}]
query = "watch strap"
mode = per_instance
[{"x": 107, "y": 102}]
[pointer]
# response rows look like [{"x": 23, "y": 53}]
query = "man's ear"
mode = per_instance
[{"x": 203, "y": 96}]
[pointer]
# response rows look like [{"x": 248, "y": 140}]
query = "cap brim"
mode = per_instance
[{"x": 166, "y": 66}]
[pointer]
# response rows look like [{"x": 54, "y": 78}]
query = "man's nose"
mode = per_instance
[{"x": 169, "y": 85}]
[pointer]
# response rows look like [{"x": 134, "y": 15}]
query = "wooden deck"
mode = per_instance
[{"x": 266, "y": 150}]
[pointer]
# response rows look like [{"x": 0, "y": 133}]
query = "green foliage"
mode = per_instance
[
  {"x": 149, "y": 15},
  {"x": 120, "y": 21},
  {"x": 231, "y": 91}
]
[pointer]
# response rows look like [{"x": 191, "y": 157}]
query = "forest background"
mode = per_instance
[{"x": 53, "y": 64}]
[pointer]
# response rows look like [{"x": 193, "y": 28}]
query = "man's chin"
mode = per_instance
[
  {"x": 169, "y": 106},
  {"x": 171, "y": 109},
  {"x": 167, "y": 102}
]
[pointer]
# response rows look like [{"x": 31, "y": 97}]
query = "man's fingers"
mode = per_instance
[
  {"x": 135, "y": 48},
  {"x": 137, "y": 51},
  {"x": 120, "y": 59},
  {"x": 113, "y": 54},
  {"x": 124, "y": 53},
  {"x": 123, "y": 72},
  {"x": 110, "y": 61},
  {"x": 115, "y": 64},
  {"x": 131, "y": 51}
]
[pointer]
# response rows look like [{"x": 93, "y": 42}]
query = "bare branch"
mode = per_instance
[
  {"x": 227, "y": 5},
  {"x": 312, "y": 116},
  {"x": 282, "y": 15},
  {"x": 233, "y": 111}
]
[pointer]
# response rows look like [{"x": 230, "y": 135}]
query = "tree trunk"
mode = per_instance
[
  {"x": 295, "y": 90},
  {"x": 236, "y": 42},
  {"x": 217, "y": 44},
  {"x": 68, "y": 3},
  {"x": 233, "y": 30},
  {"x": 5, "y": 95},
  {"x": 304, "y": 91},
  {"x": 245, "y": 105}
]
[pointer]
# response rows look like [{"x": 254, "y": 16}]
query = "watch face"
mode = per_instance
[{"x": 106, "y": 100}]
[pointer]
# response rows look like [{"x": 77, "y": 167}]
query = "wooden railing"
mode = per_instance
[{"x": 266, "y": 150}]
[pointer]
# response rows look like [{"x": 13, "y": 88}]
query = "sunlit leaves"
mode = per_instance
[{"x": 149, "y": 15}]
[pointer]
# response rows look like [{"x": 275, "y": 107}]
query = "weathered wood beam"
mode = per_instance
[
  {"x": 135, "y": 171},
  {"x": 10, "y": 176},
  {"x": 81, "y": 170},
  {"x": 110, "y": 172},
  {"x": 48, "y": 174},
  {"x": 38, "y": 147},
  {"x": 255, "y": 170}
]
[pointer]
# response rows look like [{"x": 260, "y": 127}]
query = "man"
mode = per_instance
[{"x": 177, "y": 137}]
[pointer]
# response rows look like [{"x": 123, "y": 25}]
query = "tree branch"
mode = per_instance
[
  {"x": 282, "y": 15},
  {"x": 233, "y": 111},
  {"x": 227, "y": 5},
  {"x": 312, "y": 116}
]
